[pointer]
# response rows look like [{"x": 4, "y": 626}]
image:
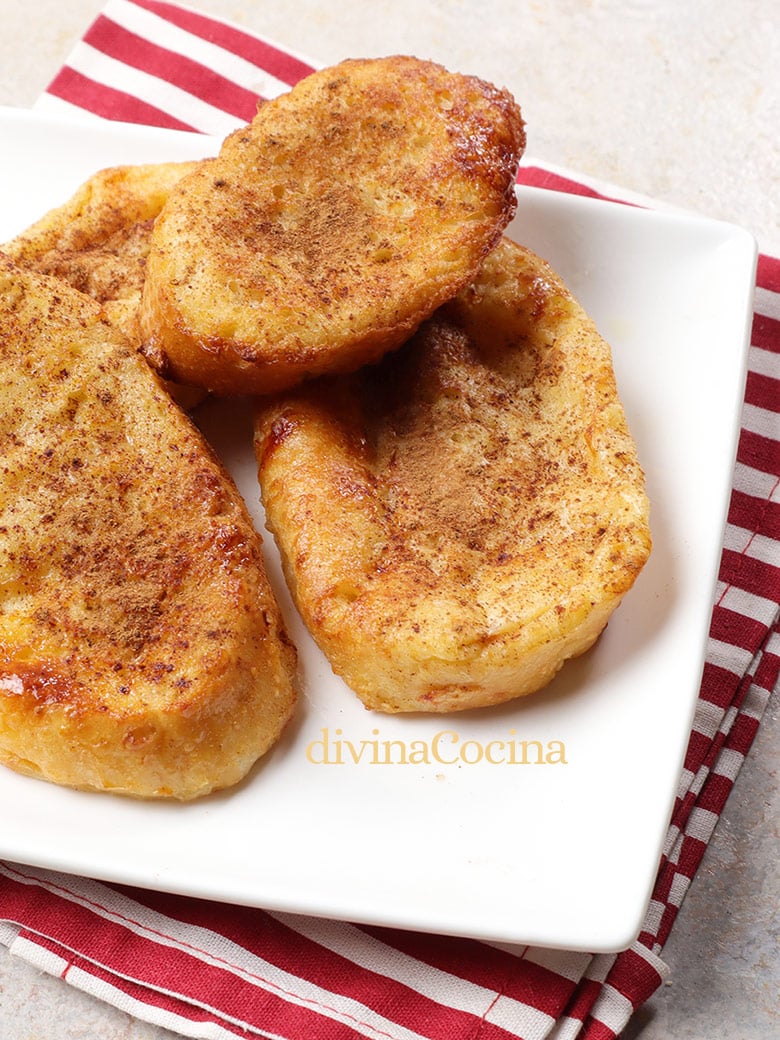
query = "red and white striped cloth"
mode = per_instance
[{"x": 215, "y": 971}]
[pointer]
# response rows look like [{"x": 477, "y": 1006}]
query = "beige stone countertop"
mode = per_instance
[{"x": 678, "y": 101}]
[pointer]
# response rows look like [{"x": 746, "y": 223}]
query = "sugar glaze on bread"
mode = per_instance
[
  {"x": 141, "y": 647},
  {"x": 460, "y": 519},
  {"x": 98, "y": 240},
  {"x": 331, "y": 226}
]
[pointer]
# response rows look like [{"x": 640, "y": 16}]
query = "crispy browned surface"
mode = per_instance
[
  {"x": 332, "y": 225},
  {"x": 141, "y": 648},
  {"x": 98, "y": 240},
  {"x": 460, "y": 519}
]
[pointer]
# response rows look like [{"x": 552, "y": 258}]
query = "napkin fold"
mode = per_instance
[{"x": 213, "y": 970}]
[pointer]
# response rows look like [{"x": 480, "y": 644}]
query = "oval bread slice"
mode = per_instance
[
  {"x": 98, "y": 240},
  {"x": 458, "y": 520},
  {"x": 331, "y": 226},
  {"x": 141, "y": 648}
]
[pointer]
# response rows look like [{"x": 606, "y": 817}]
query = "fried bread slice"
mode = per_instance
[
  {"x": 331, "y": 226},
  {"x": 141, "y": 647},
  {"x": 458, "y": 520},
  {"x": 98, "y": 240}
]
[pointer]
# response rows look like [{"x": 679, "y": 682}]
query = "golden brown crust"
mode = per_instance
[
  {"x": 460, "y": 519},
  {"x": 141, "y": 648},
  {"x": 332, "y": 225},
  {"x": 98, "y": 242}
]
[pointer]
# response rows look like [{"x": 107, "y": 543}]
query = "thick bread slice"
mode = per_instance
[
  {"x": 331, "y": 226},
  {"x": 141, "y": 647},
  {"x": 460, "y": 519},
  {"x": 98, "y": 240}
]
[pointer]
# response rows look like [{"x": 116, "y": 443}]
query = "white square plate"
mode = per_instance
[{"x": 560, "y": 855}]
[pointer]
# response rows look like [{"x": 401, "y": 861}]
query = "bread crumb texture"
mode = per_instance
[
  {"x": 459, "y": 519},
  {"x": 141, "y": 647},
  {"x": 329, "y": 228}
]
